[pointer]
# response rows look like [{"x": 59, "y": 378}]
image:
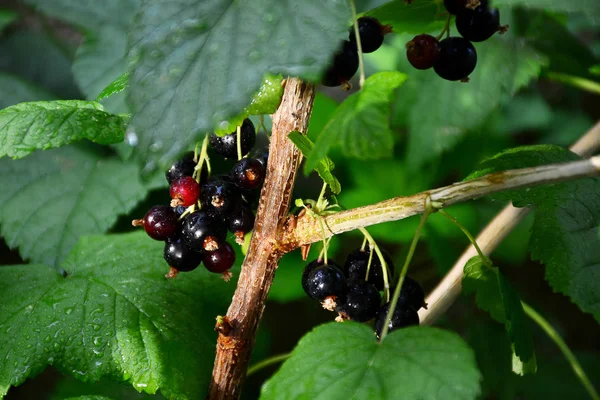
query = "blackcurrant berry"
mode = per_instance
[
  {"x": 227, "y": 145},
  {"x": 457, "y": 59},
  {"x": 220, "y": 260},
  {"x": 402, "y": 317},
  {"x": 343, "y": 66},
  {"x": 179, "y": 256},
  {"x": 356, "y": 267},
  {"x": 240, "y": 223},
  {"x": 361, "y": 302},
  {"x": 262, "y": 156},
  {"x": 479, "y": 24},
  {"x": 248, "y": 173},
  {"x": 411, "y": 294},
  {"x": 220, "y": 197},
  {"x": 202, "y": 232},
  {"x": 184, "y": 191},
  {"x": 422, "y": 51},
  {"x": 310, "y": 267},
  {"x": 179, "y": 210},
  {"x": 160, "y": 222},
  {"x": 324, "y": 281},
  {"x": 371, "y": 34},
  {"x": 455, "y": 7},
  {"x": 184, "y": 167}
]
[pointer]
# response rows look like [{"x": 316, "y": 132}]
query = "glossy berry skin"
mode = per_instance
[
  {"x": 248, "y": 173},
  {"x": 412, "y": 294},
  {"x": 402, "y": 317},
  {"x": 227, "y": 145},
  {"x": 361, "y": 302},
  {"x": 356, "y": 267},
  {"x": 455, "y": 7},
  {"x": 312, "y": 266},
  {"x": 479, "y": 24},
  {"x": 457, "y": 59},
  {"x": 179, "y": 210},
  {"x": 179, "y": 256},
  {"x": 422, "y": 51},
  {"x": 343, "y": 66},
  {"x": 324, "y": 281},
  {"x": 220, "y": 197},
  {"x": 199, "y": 228},
  {"x": 183, "y": 167},
  {"x": 220, "y": 260},
  {"x": 160, "y": 222},
  {"x": 241, "y": 221},
  {"x": 371, "y": 34},
  {"x": 262, "y": 156},
  {"x": 184, "y": 191}
]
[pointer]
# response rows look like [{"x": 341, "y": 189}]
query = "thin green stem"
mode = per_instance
[
  {"x": 552, "y": 334},
  {"x": 364, "y": 243},
  {"x": 446, "y": 28},
  {"x": 468, "y": 235},
  {"x": 361, "y": 64},
  {"x": 409, "y": 256},
  {"x": 369, "y": 263},
  {"x": 384, "y": 266},
  {"x": 239, "y": 142},
  {"x": 203, "y": 159},
  {"x": 575, "y": 81},
  {"x": 267, "y": 362}
]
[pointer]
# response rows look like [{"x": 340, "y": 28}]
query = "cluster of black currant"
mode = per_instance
[
  {"x": 194, "y": 226},
  {"x": 354, "y": 290},
  {"x": 454, "y": 58},
  {"x": 345, "y": 61}
]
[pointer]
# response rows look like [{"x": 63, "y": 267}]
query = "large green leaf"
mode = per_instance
[
  {"x": 495, "y": 295},
  {"x": 15, "y": 90},
  {"x": 27, "y": 127},
  {"x": 361, "y": 124},
  {"x": 114, "y": 315},
  {"x": 344, "y": 360},
  {"x": 52, "y": 198},
  {"x": 197, "y": 63},
  {"x": 565, "y": 231},
  {"x": 590, "y": 8},
  {"x": 418, "y": 17}
]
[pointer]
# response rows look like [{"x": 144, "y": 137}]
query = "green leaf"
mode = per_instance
[
  {"x": 361, "y": 124},
  {"x": 440, "y": 113},
  {"x": 7, "y": 17},
  {"x": 113, "y": 315},
  {"x": 93, "y": 397},
  {"x": 196, "y": 64},
  {"x": 117, "y": 86},
  {"x": 52, "y": 198},
  {"x": 44, "y": 125},
  {"x": 325, "y": 165},
  {"x": 344, "y": 360},
  {"x": 15, "y": 90},
  {"x": 68, "y": 386},
  {"x": 495, "y": 295},
  {"x": 590, "y": 8},
  {"x": 415, "y": 18}
]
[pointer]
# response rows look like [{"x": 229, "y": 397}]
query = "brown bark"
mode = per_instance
[{"x": 238, "y": 329}]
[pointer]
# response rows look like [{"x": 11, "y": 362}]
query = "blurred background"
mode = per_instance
[{"x": 522, "y": 92}]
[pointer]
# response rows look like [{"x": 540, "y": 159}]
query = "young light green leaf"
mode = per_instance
[
  {"x": 27, "y": 127},
  {"x": 415, "y": 18},
  {"x": 113, "y": 315},
  {"x": 7, "y": 17},
  {"x": 16, "y": 90},
  {"x": 344, "y": 360},
  {"x": 495, "y": 295},
  {"x": 324, "y": 166},
  {"x": 361, "y": 124},
  {"x": 117, "y": 86},
  {"x": 195, "y": 65},
  {"x": 52, "y": 198}
]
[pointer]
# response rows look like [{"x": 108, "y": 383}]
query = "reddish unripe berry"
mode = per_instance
[
  {"x": 422, "y": 51},
  {"x": 220, "y": 260},
  {"x": 160, "y": 222},
  {"x": 184, "y": 191}
]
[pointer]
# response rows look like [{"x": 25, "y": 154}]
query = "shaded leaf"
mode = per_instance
[
  {"x": 180, "y": 46},
  {"x": 7, "y": 17},
  {"x": 591, "y": 8},
  {"x": 415, "y": 18},
  {"x": 27, "y": 127},
  {"x": 344, "y": 360},
  {"x": 15, "y": 90},
  {"x": 113, "y": 315}
]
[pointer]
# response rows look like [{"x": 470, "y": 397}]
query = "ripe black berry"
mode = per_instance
[
  {"x": 240, "y": 223},
  {"x": 457, "y": 59},
  {"x": 371, "y": 34},
  {"x": 184, "y": 167},
  {"x": 479, "y": 24},
  {"x": 220, "y": 260},
  {"x": 184, "y": 191},
  {"x": 202, "y": 232},
  {"x": 361, "y": 302},
  {"x": 220, "y": 197},
  {"x": 356, "y": 267},
  {"x": 343, "y": 66},
  {"x": 227, "y": 145},
  {"x": 179, "y": 210},
  {"x": 411, "y": 294},
  {"x": 455, "y": 7},
  {"x": 160, "y": 222},
  {"x": 179, "y": 256},
  {"x": 324, "y": 281},
  {"x": 422, "y": 51},
  {"x": 248, "y": 173},
  {"x": 402, "y": 317},
  {"x": 262, "y": 156}
]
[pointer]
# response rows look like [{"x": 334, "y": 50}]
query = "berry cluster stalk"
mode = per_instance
[{"x": 237, "y": 330}]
